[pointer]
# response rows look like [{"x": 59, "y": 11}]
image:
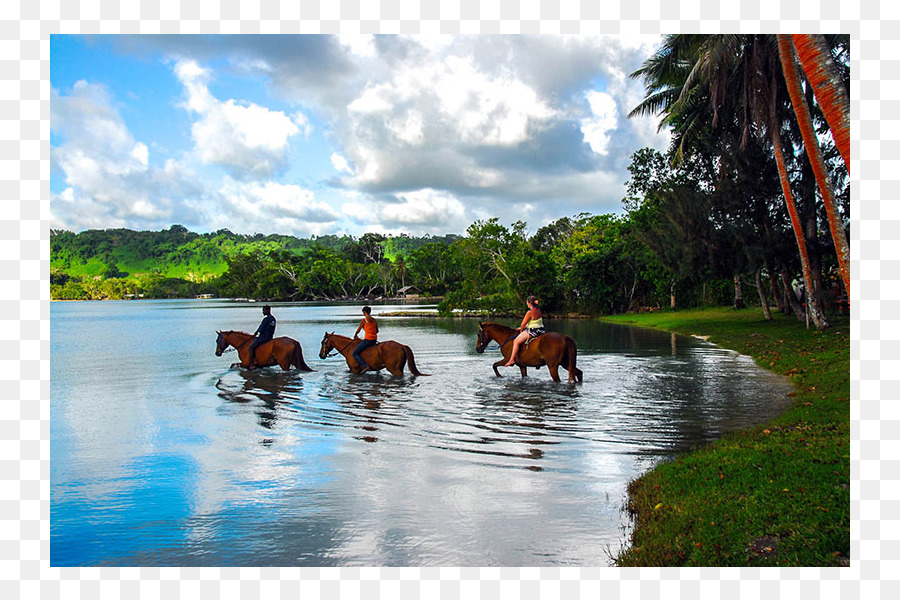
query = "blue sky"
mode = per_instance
[{"x": 314, "y": 134}]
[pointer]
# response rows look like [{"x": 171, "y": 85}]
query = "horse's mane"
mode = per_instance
[
  {"x": 239, "y": 332},
  {"x": 244, "y": 334},
  {"x": 499, "y": 326}
]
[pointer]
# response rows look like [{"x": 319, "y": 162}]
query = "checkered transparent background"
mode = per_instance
[{"x": 25, "y": 28}]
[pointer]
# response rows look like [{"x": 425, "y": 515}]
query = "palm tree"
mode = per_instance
[
  {"x": 696, "y": 81},
  {"x": 824, "y": 76},
  {"x": 812, "y": 305},
  {"x": 814, "y": 152}
]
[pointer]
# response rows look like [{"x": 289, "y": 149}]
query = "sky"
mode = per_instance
[{"x": 310, "y": 135}]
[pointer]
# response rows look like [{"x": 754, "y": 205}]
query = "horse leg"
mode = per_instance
[
  {"x": 285, "y": 358},
  {"x": 395, "y": 370},
  {"x": 554, "y": 371},
  {"x": 499, "y": 363},
  {"x": 395, "y": 363},
  {"x": 523, "y": 370}
]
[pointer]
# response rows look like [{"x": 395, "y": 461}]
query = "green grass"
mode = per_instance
[{"x": 774, "y": 495}]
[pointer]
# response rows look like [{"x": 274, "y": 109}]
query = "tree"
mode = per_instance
[
  {"x": 400, "y": 269},
  {"x": 814, "y": 152},
  {"x": 813, "y": 309},
  {"x": 371, "y": 245},
  {"x": 600, "y": 265},
  {"x": 675, "y": 224},
  {"x": 433, "y": 268},
  {"x": 697, "y": 81}
]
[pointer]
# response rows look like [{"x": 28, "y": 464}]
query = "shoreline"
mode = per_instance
[{"x": 773, "y": 495}]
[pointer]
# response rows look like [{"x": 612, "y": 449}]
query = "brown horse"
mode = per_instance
[
  {"x": 389, "y": 354},
  {"x": 282, "y": 351},
  {"x": 552, "y": 349}
]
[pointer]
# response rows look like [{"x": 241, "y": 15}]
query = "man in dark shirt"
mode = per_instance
[{"x": 264, "y": 333}]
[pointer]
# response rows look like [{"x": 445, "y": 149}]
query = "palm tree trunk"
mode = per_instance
[
  {"x": 814, "y": 152},
  {"x": 812, "y": 304},
  {"x": 831, "y": 94}
]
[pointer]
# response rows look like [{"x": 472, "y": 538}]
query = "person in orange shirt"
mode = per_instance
[{"x": 370, "y": 326}]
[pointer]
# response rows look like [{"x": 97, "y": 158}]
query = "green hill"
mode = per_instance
[{"x": 175, "y": 262}]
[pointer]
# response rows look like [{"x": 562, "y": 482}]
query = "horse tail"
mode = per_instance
[
  {"x": 572, "y": 352},
  {"x": 411, "y": 361},
  {"x": 297, "y": 359}
]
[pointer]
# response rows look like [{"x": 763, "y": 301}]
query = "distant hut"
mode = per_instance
[{"x": 408, "y": 292}]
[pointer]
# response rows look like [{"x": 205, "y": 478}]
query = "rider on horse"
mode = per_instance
[
  {"x": 264, "y": 333},
  {"x": 531, "y": 327},
  {"x": 370, "y": 326}
]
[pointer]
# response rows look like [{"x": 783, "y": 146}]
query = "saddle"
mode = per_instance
[{"x": 532, "y": 337}]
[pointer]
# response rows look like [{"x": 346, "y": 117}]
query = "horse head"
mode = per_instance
[
  {"x": 483, "y": 339},
  {"x": 327, "y": 346},
  {"x": 221, "y": 344}
]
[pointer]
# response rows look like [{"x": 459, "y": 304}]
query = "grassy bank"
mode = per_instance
[{"x": 777, "y": 494}]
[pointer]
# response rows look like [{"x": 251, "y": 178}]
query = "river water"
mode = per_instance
[{"x": 162, "y": 454}]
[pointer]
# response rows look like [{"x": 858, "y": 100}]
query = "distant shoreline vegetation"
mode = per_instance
[
  {"x": 582, "y": 266},
  {"x": 676, "y": 246}
]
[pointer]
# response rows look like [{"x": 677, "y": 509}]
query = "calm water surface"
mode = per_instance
[{"x": 161, "y": 454}]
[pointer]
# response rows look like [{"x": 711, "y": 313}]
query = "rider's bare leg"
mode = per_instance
[{"x": 516, "y": 343}]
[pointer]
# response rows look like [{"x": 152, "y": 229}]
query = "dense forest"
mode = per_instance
[{"x": 749, "y": 206}]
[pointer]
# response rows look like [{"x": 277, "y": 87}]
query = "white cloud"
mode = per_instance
[
  {"x": 302, "y": 122},
  {"x": 99, "y": 144},
  {"x": 373, "y": 100},
  {"x": 434, "y": 43},
  {"x": 423, "y": 207},
  {"x": 418, "y": 212},
  {"x": 487, "y": 110},
  {"x": 268, "y": 208},
  {"x": 141, "y": 153},
  {"x": 429, "y": 131},
  {"x": 275, "y": 199},
  {"x": 248, "y": 140},
  {"x": 362, "y": 45},
  {"x": 408, "y": 128},
  {"x": 340, "y": 164},
  {"x": 107, "y": 172},
  {"x": 603, "y": 120}
]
